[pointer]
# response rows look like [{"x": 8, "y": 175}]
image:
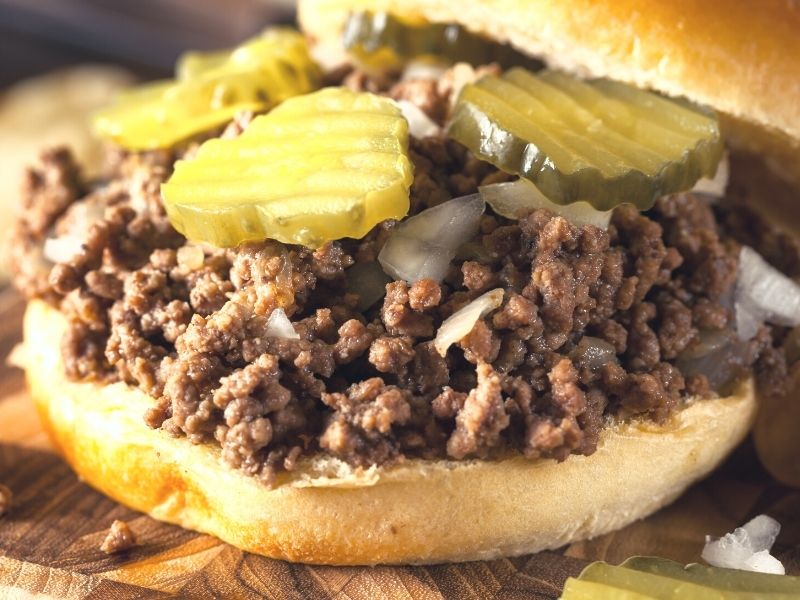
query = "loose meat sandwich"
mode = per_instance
[{"x": 429, "y": 281}]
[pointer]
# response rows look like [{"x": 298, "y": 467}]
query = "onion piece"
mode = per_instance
[
  {"x": 460, "y": 323},
  {"x": 420, "y": 125},
  {"x": 62, "y": 248},
  {"x": 518, "y": 197},
  {"x": 714, "y": 187},
  {"x": 747, "y": 548},
  {"x": 719, "y": 355},
  {"x": 79, "y": 218},
  {"x": 279, "y": 326},
  {"x": 329, "y": 56},
  {"x": 422, "y": 246},
  {"x": 422, "y": 69},
  {"x": 367, "y": 281},
  {"x": 763, "y": 294}
]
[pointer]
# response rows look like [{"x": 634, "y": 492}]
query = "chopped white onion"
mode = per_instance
[
  {"x": 191, "y": 257},
  {"x": 79, "y": 218},
  {"x": 420, "y": 69},
  {"x": 460, "y": 323},
  {"x": 764, "y": 562},
  {"x": 329, "y": 56},
  {"x": 715, "y": 186},
  {"x": 422, "y": 246},
  {"x": 279, "y": 326},
  {"x": 368, "y": 281},
  {"x": 522, "y": 196},
  {"x": 420, "y": 125},
  {"x": 747, "y": 548},
  {"x": 763, "y": 294},
  {"x": 719, "y": 355},
  {"x": 62, "y": 248}
]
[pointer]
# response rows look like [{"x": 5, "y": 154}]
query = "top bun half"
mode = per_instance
[{"x": 740, "y": 57}]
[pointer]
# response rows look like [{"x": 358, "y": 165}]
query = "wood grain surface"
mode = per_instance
[{"x": 49, "y": 543}]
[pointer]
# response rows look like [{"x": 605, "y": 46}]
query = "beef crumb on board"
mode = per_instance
[
  {"x": 593, "y": 321},
  {"x": 120, "y": 538}
]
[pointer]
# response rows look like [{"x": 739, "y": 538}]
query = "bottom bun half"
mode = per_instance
[{"x": 415, "y": 512}]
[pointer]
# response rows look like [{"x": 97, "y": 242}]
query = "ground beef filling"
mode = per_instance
[{"x": 593, "y": 323}]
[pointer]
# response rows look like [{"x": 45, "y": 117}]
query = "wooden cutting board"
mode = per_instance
[{"x": 49, "y": 543}]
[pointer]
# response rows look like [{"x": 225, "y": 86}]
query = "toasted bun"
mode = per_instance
[
  {"x": 741, "y": 58},
  {"x": 417, "y": 512}
]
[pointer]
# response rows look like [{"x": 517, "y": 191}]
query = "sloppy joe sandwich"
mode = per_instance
[{"x": 426, "y": 282}]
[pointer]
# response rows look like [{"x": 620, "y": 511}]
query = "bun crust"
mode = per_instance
[
  {"x": 416, "y": 512},
  {"x": 742, "y": 58}
]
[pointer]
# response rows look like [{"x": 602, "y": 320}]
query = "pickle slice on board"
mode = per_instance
[
  {"x": 719, "y": 578},
  {"x": 577, "y": 589},
  {"x": 601, "y": 142},
  {"x": 209, "y": 90},
  {"x": 646, "y": 577},
  {"x": 319, "y": 167},
  {"x": 384, "y": 40}
]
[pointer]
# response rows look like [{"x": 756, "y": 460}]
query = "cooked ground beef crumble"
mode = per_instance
[
  {"x": 593, "y": 322},
  {"x": 120, "y": 538}
]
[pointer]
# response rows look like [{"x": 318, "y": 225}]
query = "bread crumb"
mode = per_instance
[
  {"x": 119, "y": 539},
  {"x": 6, "y": 498}
]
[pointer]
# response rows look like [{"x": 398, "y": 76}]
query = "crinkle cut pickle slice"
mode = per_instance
[
  {"x": 602, "y": 142},
  {"x": 380, "y": 39},
  {"x": 210, "y": 89},
  {"x": 319, "y": 167}
]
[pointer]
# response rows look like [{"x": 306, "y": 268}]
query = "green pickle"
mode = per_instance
[
  {"x": 577, "y": 589},
  {"x": 319, "y": 167},
  {"x": 384, "y": 40},
  {"x": 660, "y": 579},
  {"x": 209, "y": 89},
  {"x": 601, "y": 142},
  {"x": 721, "y": 579}
]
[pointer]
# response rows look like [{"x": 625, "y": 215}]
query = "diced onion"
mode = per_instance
[
  {"x": 420, "y": 69},
  {"x": 715, "y": 186},
  {"x": 747, "y": 548},
  {"x": 420, "y": 125},
  {"x": 329, "y": 56},
  {"x": 368, "y": 281},
  {"x": 191, "y": 257},
  {"x": 460, "y": 323},
  {"x": 279, "y": 326},
  {"x": 515, "y": 198},
  {"x": 80, "y": 217},
  {"x": 763, "y": 294},
  {"x": 62, "y": 248},
  {"x": 422, "y": 246},
  {"x": 719, "y": 355}
]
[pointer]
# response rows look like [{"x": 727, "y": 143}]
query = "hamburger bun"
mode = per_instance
[
  {"x": 741, "y": 61},
  {"x": 421, "y": 511},
  {"x": 415, "y": 512}
]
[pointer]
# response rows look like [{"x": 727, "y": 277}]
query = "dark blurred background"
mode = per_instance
[{"x": 145, "y": 36}]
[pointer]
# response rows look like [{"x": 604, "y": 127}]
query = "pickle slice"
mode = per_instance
[
  {"x": 383, "y": 40},
  {"x": 645, "y": 577},
  {"x": 721, "y": 579},
  {"x": 209, "y": 90},
  {"x": 601, "y": 142},
  {"x": 319, "y": 167},
  {"x": 577, "y": 589}
]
